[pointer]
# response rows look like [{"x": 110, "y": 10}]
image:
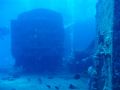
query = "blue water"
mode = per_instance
[{"x": 47, "y": 36}]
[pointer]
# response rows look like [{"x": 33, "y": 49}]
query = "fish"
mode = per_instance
[
  {"x": 57, "y": 88},
  {"x": 48, "y": 86},
  {"x": 71, "y": 86},
  {"x": 76, "y": 76}
]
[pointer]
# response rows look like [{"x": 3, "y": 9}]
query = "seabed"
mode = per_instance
[{"x": 37, "y": 82}]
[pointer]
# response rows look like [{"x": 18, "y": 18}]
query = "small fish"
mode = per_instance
[
  {"x": 76, "y": 76},
  {"x": 57, "y": 88},
  {"x": 48, "y": 86},
  {"x": 71, "y": 86},
  {"x": 40, "y": 80}
]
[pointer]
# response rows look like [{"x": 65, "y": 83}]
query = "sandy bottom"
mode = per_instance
[{"x": 35, "y": 82}]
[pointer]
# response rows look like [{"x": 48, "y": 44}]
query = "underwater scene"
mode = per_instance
[{"x": 47, "y": 44}]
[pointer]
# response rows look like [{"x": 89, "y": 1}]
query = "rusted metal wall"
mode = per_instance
[
  {"x": 102, "y": 79},
  {"x": 116, "y": 46}
]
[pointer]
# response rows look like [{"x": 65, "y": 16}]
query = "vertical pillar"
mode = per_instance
[
  {"x": 102, "y": 80},
  {"x": 116, "y": 46}
]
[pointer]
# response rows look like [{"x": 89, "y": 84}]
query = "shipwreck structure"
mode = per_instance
[
  {"x": 38, "y": 41},
  {"x": 107, "y": 56}
]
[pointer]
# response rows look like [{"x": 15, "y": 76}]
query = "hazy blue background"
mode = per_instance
[{"x": 77, "y": 14}]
